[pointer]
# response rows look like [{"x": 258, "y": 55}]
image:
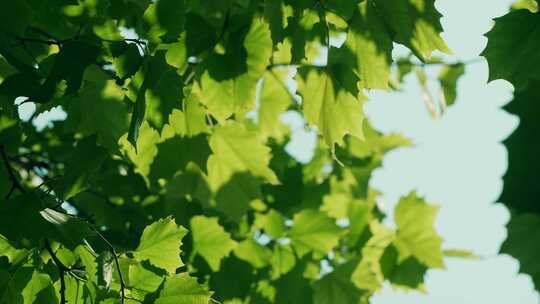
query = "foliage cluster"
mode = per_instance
[{"x": 169, "y": 180}]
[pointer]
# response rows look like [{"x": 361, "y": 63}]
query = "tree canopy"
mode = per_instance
[{"x": 169, "y": 180}]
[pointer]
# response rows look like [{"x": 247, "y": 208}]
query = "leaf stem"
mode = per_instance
[{"x": 116, "y": 262}]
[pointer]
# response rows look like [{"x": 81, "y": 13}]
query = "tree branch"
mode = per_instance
[
  {"x": 15, "y": 185},
  {"x": 54, "y": 41},
  {"x": 61, "y": 269},
  {"x": 41, "y": 41},
  {"x": 42, "y": 33}
]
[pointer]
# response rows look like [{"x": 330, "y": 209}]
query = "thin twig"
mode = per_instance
[
  {"x": 41, "y": 41},
  {"x": 58, "y": 42},
  {"x": 30, "y": 163},
  {"x": 42, "y": 33},
  {"x": 435, "y": 63},
  {"x": 291, "y": 65},
  {"x": 117, "y": 263},
  {"x": 15, "y": 185},
  {"x": 418, "y": 64},
  {"x": 61, "y": 269},
  {"x": 224, "y": 26}
]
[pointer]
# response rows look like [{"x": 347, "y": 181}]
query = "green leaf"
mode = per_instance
[
  {"x": 341, "y": 198},
  {"x": 69, "y": 66},
  {"x": 371, "y": 44},
  {"x": 175, "y": 153},
  {"x": 229, "y": 156},
  {"x": 41, "y": 223},
  {"x": 5, "y": 277},
  {"x": 520, "y": 192},
  {"x": 511, "y": 49},
  {"x": 522, "y": 230},
  {"x": 273, "y": 223},
  {"x": 360, "y": 214},
  {"x": 275, "y": 16},
  {"x": 531, "y": 5},
  {"x": 336, "y": 205},
  {"x": 294, "y": 287},
  {"x": 158, "y": 159},
  {"x": 344, "y": 8},
  {"x": 29, "y": 286},
  {"x": 82, "y": 166},
  {"x": 210, "y": 240},
  {"x": 336, "y": 287},
  {"x": 375, "y": 144},
  {"x": 274, "y": 99},
  {"x": 15, "y": 16},
  {"x": 253, "y": 253},
  {"x": 185, "y": 111},
  {"x": 190, "y": 183},
  {"x": 448, "y": 78},
  {"x": 164, "y": 20},
  {"x": 416, "y": 235},
  {"x": 13, "y": 254},
  {"x": 137, "y": 116},
  {"x": 335, "y": 111},
  {"x": 176, "y": 54},
  {"x": 160, "y": 244},
  {"x": 158, "y": 91},
  {"x": 405, "y": 274},
  {"x": 415, "y": 24},
  {"x": 24, "y": 209},
  {"x": 299, "y": 27},
  {"x": 235, "y": 197},
  {"x": 71, "y": 231},
  {"x": 313, "y": 231},
  {"x": 190, "y": 122},
  {"x": 127, "y": 60},
  {"x": 368, "y": 274},
  {"x": 86, "y": 110},
  {"x": 282, "y": 260},
  {"x": 88, "y": 260},
  {"x": 224, "y": 95},
  {"x": 144, "y": 281},
  {"x": 146, "y": 149},
  {"x": 201, "y": 35},
  {"x": 225, "y": 288},
  {"x": 164, "y": 89},
  {"x": 183, "y": 289}
]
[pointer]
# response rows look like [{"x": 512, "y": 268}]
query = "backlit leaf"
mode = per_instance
[
  {"x": 210, "y": 240},
  {"x": 160, "y": 244},
  {"x": 313, "y": 231}
]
